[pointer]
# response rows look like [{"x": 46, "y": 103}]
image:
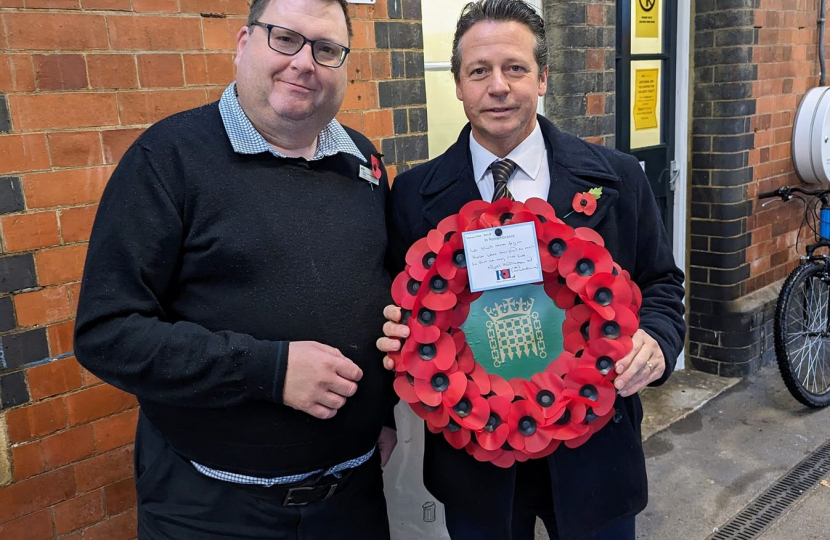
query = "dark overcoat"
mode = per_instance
[{"x": 603, "y": 480}]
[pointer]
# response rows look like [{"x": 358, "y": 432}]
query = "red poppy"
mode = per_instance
[
  {"x": 554, "y": 240},
  {"x": 563, "y": 364},
  {"x": 624, "y": 324},
  {"x": 469, "y": 214},
  {"x": 472, "y": 410},
  {"x": 501, "y": 212},
  {"x": 451, "y": 258},
  {"x": 589, "y": 235},
  {"x": 441, "y": 388},
  {"x": 434, "y": 416},
  {"x": 459, "y": 315},
  {"x": 546, "y": 390},
  {"x": 426, "y": 325},
  {"x": 527, "y": 422},
  {"x": 604, "y": 292},
  {"x": 584, "y": 203},
  {"x": 438, "y": 295},
  {"x": 405, "y": 289},
  {"x": 457, "y": 435},
  {"x": 480, "y": 377},
  {"x": 423, "y": 360},
  {"x": 591, "y": 388},
  {"x": 420, "y": 258},
  {"x": 543, "y": 210},
  {"x": 500, "y": 387},
  {"x": 557, "y": 289},
  {"x": 570, "y": 425},
  {"x": 581, "y": 261},
  {"x": 576, "y": 329},
  {"x": 503, "y": 457},
  {"x": 405, "y": 388},
  {"x": 603, "y": 354}
]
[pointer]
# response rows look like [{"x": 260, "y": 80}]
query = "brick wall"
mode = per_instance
[
  {"x": 79, "y": 81},
  {"x": 754, "y": 60},
  {"x": 786, "y": 56},
  {"x": 581, "y": 84}
]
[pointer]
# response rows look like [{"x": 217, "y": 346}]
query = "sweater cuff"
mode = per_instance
[{"x": 266, "y": 371}]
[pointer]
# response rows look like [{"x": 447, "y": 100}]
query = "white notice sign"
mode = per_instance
[{"x": 502, "y": 256}]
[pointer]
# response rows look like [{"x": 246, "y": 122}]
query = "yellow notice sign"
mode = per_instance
[
  {"x": 647, "y": 18},
  {"x": 645, "y": 98}
]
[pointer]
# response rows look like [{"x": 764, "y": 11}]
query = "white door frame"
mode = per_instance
[{"x": 681, "y": 138}]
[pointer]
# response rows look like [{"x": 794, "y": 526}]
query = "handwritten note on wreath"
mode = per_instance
[{"x": 502, "y": 256}]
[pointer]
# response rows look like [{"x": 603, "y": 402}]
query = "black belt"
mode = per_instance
[{"x": 313, "y": 489}]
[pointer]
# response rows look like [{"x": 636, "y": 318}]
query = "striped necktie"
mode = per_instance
[{"x": 501, "y": 173}]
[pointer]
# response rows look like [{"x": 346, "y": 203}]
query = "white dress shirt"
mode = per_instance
[{"x": 531, "y": 177}]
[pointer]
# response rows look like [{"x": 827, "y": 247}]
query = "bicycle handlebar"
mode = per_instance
[{"x": 786, "y": 192}]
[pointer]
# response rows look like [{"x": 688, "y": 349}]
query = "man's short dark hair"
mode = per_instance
[
  {"x": 258, "y": 8},
  {"x": 500, "y": 11}
]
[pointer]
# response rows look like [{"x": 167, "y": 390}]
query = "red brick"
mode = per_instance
[
  {"x": 60, "y": 337},
  {"x": 121, "y": 527},
  {"x": 16, "y": 73},
  {"x": 156, "y": 6},
  {"x": 20, "y": 153},
  {"x": 97, "y": 402},
  {"x": 75, "y": 148},
  {"x": 27, "y": 460},
  {"x": 149, "y": 107},
  {"x": 595, "y": 104},
  {"x": 35, "y": 421},
  {"x": 108, "y": 5},
  {"x": 595, "y": 15},
  {"x": 30, "y": 231},
  {"x": 42, "y": 111},
  {"x": 60, "y": 265},
  {"x": 147, "y": 33},
  {"x": 116, "y": 142},
  {"x": 220, "y": 34},
  {"x": 55, "y": 31},
  {"x": 112, "y": 71},
  {"x": 104, "y": 469},
  {"x": 79, "y": 512},
  {"x": 381, "y": 64},
  {"x": 67, "y": 447},
  {"x": 361, "y": 95},
  {"x": 60, "y": 71},
  {"x": 32, "y": 527},
  {"x": 160, "y": 70},
  {"x": 595, "y": 60},
  {"x": 364, "y": 35},
  {"x": 378, "y": 123},
  {"x": 11, "y": 3},
  {"x": 115, "y": 431},
  {"x": 120, "y": 496},
  {"x": 54, "y": 378},
  {"x": 89, "y": 378},
  {"x": 353, "y": 119},
  {"x": 226, "y": 7},
  {"x": 52, "y": 4},
  {"x": 76, "y": 223},
  {"x": 209, "y": 69},
  {"x": 36, "y": 494},
  {"x": 69, "y": 187},
  {"x": 42, "y": 307}
]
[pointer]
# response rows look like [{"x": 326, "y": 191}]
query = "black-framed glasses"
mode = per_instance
[{"x": 289, "y": 42}]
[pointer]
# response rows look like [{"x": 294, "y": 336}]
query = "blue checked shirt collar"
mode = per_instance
[{"x": 245, "y": 139}]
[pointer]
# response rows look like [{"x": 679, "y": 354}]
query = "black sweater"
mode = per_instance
[{"x": 204, "y": 264}]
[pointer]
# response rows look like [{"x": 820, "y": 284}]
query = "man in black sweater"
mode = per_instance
[{"x": 234, "y": 283}]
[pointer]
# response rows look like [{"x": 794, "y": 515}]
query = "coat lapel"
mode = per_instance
[
  {"x": 576, "y": 168},
  {"x": 450, "y": 184}
]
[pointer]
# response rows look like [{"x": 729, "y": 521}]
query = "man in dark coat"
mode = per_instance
[{"x": 595, "y": 490}]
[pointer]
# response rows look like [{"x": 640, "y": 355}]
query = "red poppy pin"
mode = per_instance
[
  {"x": 586, "y": 203},
  {"x": 376, "y": 167}
]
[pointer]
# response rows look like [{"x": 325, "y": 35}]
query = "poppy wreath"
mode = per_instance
[{"x": 505, "y": 421}]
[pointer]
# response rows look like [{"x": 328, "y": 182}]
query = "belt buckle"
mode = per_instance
[{"x": 291, "y": 492}]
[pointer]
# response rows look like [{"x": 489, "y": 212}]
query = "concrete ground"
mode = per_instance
[{"x": 713, "y": 445}]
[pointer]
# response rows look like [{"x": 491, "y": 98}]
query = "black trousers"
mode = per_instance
[
  {"x": 177, "y": 502},
  {"x": 532, "y": 499}
]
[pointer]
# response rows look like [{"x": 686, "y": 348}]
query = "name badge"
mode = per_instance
[
  {"x": 502, "y": 256},
  {"x": 366, "y": 174}
]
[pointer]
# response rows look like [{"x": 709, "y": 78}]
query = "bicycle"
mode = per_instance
[{"x": 802, "y": 314}]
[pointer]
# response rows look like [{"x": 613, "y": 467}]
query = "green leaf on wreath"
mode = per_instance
[{"x": 596, "y": 192}]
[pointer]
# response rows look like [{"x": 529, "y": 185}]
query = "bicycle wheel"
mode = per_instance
[{"x": 802, "y": 334}]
